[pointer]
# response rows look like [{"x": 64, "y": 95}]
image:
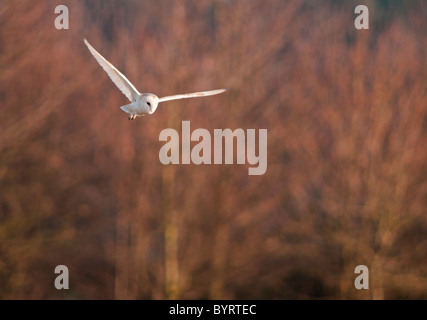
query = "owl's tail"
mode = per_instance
[{"x": 127, "y": 108}]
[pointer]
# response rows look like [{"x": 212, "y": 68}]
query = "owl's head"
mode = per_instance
[{"x": 150, "y": 102}]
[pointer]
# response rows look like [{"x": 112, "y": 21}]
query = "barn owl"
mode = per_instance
[{"x": 141, "y": 103}]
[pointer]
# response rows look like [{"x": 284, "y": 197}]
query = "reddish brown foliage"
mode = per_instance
[{"x": 346, "y": 184}]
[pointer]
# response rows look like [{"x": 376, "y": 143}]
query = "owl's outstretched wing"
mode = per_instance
[
  {"x": 118, "y": 78},
  {"x": 192, "y": 95}
]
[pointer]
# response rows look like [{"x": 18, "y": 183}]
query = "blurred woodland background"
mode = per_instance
[{"x": 346, "y": 183}]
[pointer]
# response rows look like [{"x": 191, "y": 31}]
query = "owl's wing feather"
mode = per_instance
[
  {"x": 118, "y": 78},
  {"x": 192, "y": 95}
]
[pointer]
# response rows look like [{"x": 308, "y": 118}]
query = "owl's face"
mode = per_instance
[{"x": 150, "y": 102}]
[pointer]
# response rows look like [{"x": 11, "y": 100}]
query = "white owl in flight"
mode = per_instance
[{"x": 141, "y": 103}]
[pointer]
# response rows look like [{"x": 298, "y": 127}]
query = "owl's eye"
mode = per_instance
[{"x": 149, "y": 103}]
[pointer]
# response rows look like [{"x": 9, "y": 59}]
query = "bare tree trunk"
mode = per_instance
[
  {"x": 219, "y": 262},
  {"x": 122, "y": 223},
  {"x": 122, "y": 237},
  {"x": 170, "y": 219}
]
